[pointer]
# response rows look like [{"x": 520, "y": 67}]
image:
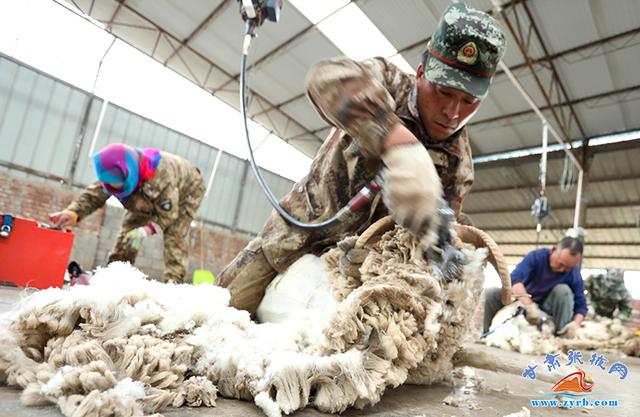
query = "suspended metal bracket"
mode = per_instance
[{"x": 549, "y": 128}]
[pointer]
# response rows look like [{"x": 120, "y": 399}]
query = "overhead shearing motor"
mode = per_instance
[
  {"x": 257, "y": 11},
  {"x": 254, "y": 13},
  {"x": 540, "y": 208}
]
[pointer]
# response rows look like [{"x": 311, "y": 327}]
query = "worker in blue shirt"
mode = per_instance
[{"x": 547, "y": 280}]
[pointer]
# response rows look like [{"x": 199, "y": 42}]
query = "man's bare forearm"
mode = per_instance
[
  {"x": 520, "y": 292},
  {"x": 399, "y": 135}
]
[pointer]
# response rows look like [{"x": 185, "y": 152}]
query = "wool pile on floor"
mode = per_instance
[
  {"x": 513, "y": 332},
  {"x": 128, "y": 346}
]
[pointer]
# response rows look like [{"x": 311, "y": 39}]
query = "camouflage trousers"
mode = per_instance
[
  {"x": 176, "y": 237},
  {"x": 558, "y": 303},
  {"x": 279, "y": 245},
  {"x": 247, "y": 277},
  {"x": 273, "y": 251}
]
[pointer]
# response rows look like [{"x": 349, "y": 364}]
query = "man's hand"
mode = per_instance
[
  {"x": 412, "y": 188},
  {"x": 532, "y": 313},
  {"x": 570, "y": 330},
  {"x": 134, "y": 237},
  {"x": 351, "y": 260},
  {"x": 63, "y": 219}
]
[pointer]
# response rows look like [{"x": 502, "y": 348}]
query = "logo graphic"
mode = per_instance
[
  {"x": 574, "y": 389},
  {"x": 574, "y": 384}
]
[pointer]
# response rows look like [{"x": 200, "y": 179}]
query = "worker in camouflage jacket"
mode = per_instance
[
  {"x": 159, "y": 190},
  {"x": 413, "y": 127},
  {"x": 607, "y": 293}
]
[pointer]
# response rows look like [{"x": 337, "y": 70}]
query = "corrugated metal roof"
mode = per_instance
[
  {"x": 503, "y": 193},
  {"x": 578, "y": 61},
  {"x": 201, "y": 41}
]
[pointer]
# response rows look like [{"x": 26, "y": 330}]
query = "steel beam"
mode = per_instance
[
  {"x": 573, "y": 102},
  {"x": 581, "y": 48},
  {"x": 522, "y": 40},
  {"x": 41, "y": 174},
  {"x": 596, "y": 226},
  {"x": 528, "y": 209},
  {"x": 109, "y": 23},
  {"x": 159, "y": 29},
  {"x": 554, "y": 184},
  {"x": 315, "y": 131},
  {"x": 586, "y": 257},
  {"x": 609, "y": 147},
  {"x": 278, "y": 49},
  {"x": 280, "y": 105},
  {"x": 198, "y": 28},
  {"x": 587, "y": 243}
]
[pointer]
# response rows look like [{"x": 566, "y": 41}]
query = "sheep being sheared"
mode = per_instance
[
  {"x": 403, "y": 309},
  {"x": 511, "y": 331},
  {"x": 127, "y": 346}
]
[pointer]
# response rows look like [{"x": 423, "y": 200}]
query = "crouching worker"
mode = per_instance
[
  {"x": 547, "y": 280},
  {"x": 159, "y": 190},
  {"x": 413, "y": 128}
]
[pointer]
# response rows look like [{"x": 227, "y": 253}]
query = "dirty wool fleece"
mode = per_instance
[{"x": 128, "y": 346}]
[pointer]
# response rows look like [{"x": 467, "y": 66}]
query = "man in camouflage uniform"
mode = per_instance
[
  {"x": 607, "y": 293},
  {"x": 170, "y": 200},
  {"x": 383, "y": 118}
]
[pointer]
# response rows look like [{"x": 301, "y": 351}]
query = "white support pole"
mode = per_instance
[
  {"x": 576, "y": 215},
  {"x": 216, "y": 163},
  {"x": 534, "y": 107},
  {"x": 516, "y": 83},
  {"x": 103, "y": 109},
  {"x": 213, "y": 173},
  {"x": 543, "y": 160}
]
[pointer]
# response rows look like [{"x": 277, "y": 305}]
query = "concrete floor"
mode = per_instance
[{"x": 501, "y": 394}]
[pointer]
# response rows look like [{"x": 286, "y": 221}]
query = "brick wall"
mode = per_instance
[{"x": 34, "y": 198}]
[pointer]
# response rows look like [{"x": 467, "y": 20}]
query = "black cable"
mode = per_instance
[{"x": 249, "y": 28}]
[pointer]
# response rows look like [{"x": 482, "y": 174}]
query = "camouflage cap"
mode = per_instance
[
  {"x": 615, "y": 274},
  {"x": 464, "y": 51}
]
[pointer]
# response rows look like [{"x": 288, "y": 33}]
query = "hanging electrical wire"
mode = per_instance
[
  {"x": 540, "y": 208},
  {"x": 254, "y": 13},
  {"x": 568, "y": 175}
]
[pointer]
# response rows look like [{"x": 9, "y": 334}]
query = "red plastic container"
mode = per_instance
[{"x": 34, "y": 255}]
